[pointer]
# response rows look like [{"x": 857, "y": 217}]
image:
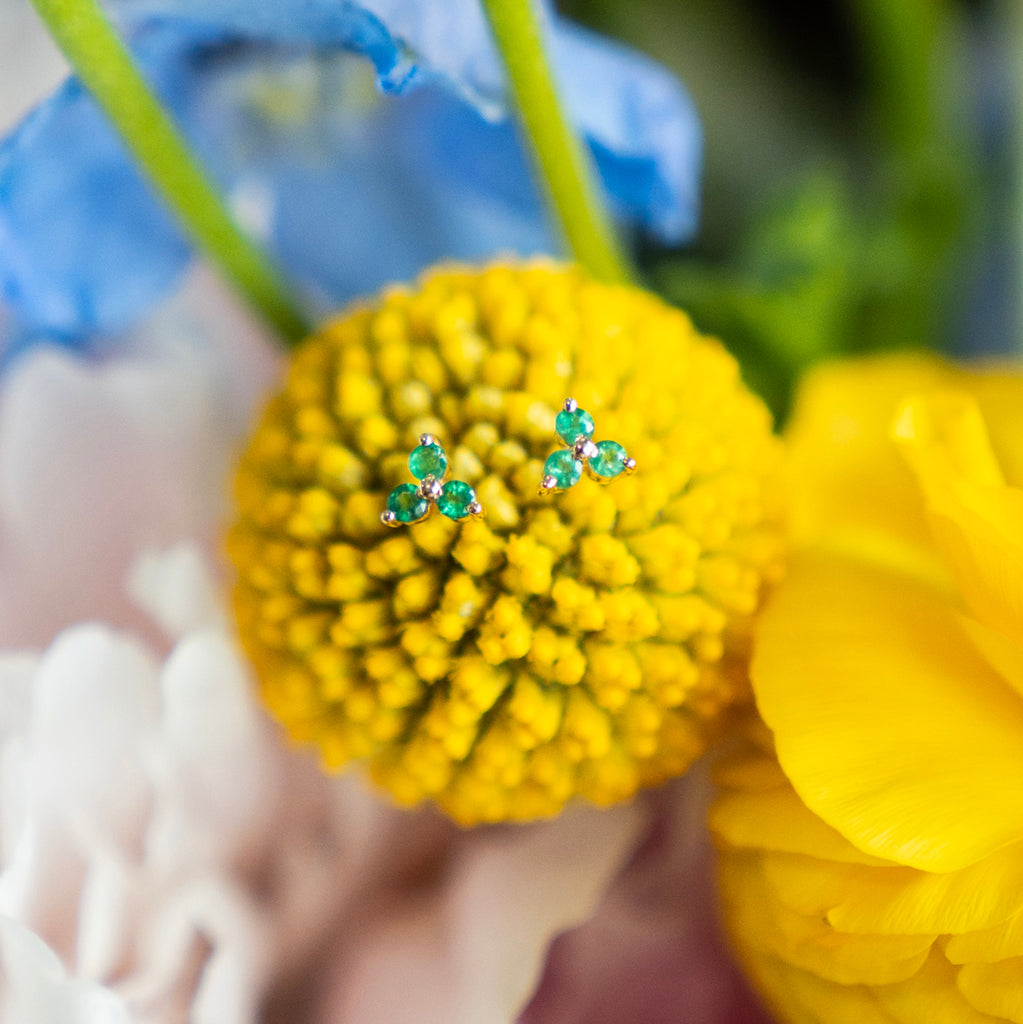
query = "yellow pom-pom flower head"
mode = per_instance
[{"x": 576, "y": 647}]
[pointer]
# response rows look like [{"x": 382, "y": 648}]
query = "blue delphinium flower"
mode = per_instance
[{"x": 345, "y": 184}]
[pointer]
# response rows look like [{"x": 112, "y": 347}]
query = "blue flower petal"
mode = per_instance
[
  {"x": 355, "y": 194},
  {"x": 637, "y": 118},
  {"x": 18, "y": 337},
  {"x": 408, "y": 41},
  {"x": 83, "y": 243},
  {"x": 642, "y": 127},
  {"x": 355, "y": 189}
]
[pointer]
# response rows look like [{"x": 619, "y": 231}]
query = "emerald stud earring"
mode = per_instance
[
  {"x": 410, "y": 503},
  {"x": 602, "y": 461}
]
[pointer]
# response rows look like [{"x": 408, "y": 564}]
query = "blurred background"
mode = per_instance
[{"x": 861, "y": 182}]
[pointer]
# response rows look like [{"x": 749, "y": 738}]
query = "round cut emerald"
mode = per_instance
[
  {"x": 564, "y": 470},
  {"x": 407, "y": 504},
  {"x": 455, "y": 499},
  {"x": 428, "y": 460},
  {"x": 570, "y": 426},
  {"x": 609, "y": 460}
]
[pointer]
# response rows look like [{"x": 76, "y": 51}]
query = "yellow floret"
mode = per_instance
[{"x": 574, "y": 646}]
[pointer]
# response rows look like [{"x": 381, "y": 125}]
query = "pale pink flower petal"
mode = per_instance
[
  {"x": 108, "y": 900},
  {"x": 103, "y": 459},
  {"x": 175, "y": 589},
  {"x": 217, "y": 786},
  {"x": 469, "y": 949},
  {"x": 38, "y": 988},
  {"x": 95, "y": 711}
]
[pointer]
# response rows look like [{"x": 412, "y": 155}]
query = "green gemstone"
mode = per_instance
[
  {"x": 609, "y": 460},
  {"x": 407, "y": 504},
  {"x": 455, "y": 499},
  {"x": 565, "y": 470},
  {"x": 428, "y": 460},
  {"x": 572, "y": 425}
]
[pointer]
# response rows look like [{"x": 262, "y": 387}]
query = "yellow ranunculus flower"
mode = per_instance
[{"x": 872, "y": 838}]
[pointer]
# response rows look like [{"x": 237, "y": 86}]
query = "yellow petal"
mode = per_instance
[
  {"x": 754, "y": 772},
  {"x": 931, "y": 996},
  {"x": 999, "y": 391},
  {"x": 946, "y": 441},
  {"x": 898, "y": 900},
  {"x": 847, "y": 476},
  {"x": 805, "y": 997},
  {"x": 749, "y": 768},
  {"x": 809, "y": 942},
  {"x": 998, "y": 943},
  {"x": 889, "y": 724},
  {"x": 976, "y": 518},
  {"x": 995, "y": 988},
  {"x": 779, "y": 820},
  {"x": 1002, "y": 654}
]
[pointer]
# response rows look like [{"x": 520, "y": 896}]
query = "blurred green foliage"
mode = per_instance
[{"x": 842, "y": 190}]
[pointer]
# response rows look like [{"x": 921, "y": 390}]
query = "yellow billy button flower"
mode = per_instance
[
  {"x": 872, "y": 838},
  {"x": 577, "y": 646}
]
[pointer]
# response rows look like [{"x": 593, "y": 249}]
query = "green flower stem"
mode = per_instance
[
  {"x": 563, "y": 162},
  {"x": 96, "y": 52}
]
